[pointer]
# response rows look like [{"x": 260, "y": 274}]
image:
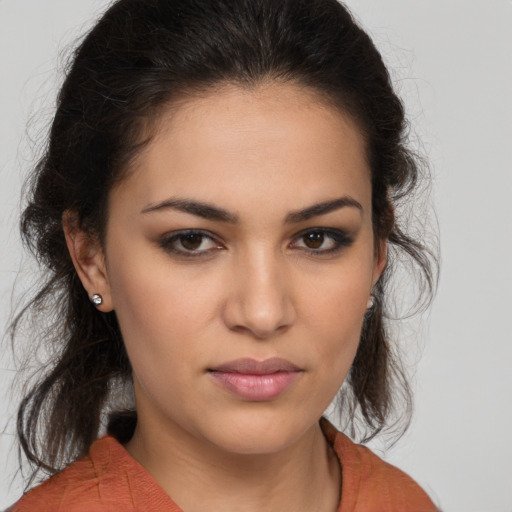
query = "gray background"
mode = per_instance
[{"x": 452, "y": 64}]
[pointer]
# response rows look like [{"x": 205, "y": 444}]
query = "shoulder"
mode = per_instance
[
  {"x": 370, "y": 483},
  {"x": 107, "y": 479}
]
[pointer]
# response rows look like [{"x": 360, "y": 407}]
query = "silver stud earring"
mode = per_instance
[
  {"x": 97, "y": 299},
  {"x": 371, "y": 302}
]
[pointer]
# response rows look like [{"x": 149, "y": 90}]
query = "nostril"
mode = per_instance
[{"x": 260, "y": 324}]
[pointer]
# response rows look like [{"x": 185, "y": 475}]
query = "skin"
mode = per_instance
[{"x": 256, "y": 288}]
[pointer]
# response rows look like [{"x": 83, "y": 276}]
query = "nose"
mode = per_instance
[{"x": 260, "y": 301}]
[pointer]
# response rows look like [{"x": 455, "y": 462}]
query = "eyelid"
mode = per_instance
[
  {"x": 166, "y": 241},
  {"x": 341, "y": 238}
]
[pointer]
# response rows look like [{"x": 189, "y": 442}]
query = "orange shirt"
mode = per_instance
[{"x": 108, "y": 479}]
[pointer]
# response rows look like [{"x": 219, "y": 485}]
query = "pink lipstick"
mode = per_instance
[{"x": 256, "y": 381}]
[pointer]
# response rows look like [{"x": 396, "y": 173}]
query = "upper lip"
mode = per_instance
[{"x": 249, "y": 366}]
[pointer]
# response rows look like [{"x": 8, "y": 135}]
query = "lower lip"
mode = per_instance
[{"x": 256, "y": 388}]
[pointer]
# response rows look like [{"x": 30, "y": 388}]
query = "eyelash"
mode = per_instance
[
  {"x": 339, "y": 238},
  {"x": 168, "y": 243}
]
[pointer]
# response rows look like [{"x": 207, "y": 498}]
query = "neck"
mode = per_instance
[{"x": 198, "y": 476}]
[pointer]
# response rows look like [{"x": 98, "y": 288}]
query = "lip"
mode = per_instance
[{"x": 256, "y": 381}]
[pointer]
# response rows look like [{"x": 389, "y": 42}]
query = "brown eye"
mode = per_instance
[
  {"x": 191, "y": 241},
  {"x": 322, "y": 241},
  {"x": 190, "y": 244},
  {"x": 314, "y": 240}
]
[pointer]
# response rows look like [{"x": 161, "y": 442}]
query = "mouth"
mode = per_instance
[{"x": 256, "y": 381}]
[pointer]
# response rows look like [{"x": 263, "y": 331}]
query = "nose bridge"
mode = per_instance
[{"x": 261, "y": 301}]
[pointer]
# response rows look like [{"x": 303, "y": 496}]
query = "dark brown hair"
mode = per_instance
[{"x": 139, "y": 57}]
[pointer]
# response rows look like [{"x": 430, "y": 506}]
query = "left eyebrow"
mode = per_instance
[{"x": 322, "y": 209}]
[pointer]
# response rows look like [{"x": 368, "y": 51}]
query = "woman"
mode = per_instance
[{"x": 216, "y": 213}]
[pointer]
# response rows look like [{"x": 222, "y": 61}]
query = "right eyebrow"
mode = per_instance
[{"x": 198, "y": 208}]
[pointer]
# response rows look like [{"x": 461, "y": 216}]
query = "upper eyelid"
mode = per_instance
[
  {"x": 182, "y": 232},
  {"x": 325, "y": 230},
  {"x": 175, "y": 235}
]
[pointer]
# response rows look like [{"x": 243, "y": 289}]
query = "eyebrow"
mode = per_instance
[
  {"x": 198, "y": 208},
  {"x": 210, "y": 212},
  {"x": 322, "y": 209}
]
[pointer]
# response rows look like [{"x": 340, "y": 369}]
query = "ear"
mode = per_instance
[
  {"x": 88, "y": 259},
  {"x": 380, "y": 260}
]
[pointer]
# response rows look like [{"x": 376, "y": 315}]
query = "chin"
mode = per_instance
[
  {"x": 257, "y": 443},
  {"x": 260, "y": 433}
]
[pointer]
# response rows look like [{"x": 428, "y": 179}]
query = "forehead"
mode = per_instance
[{"x": 258, "y": 142}]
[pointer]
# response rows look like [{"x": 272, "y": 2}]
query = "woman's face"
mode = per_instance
[{"x": 239, "y": 260}]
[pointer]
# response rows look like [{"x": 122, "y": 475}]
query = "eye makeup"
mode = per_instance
[
  {"x": 322, "y": 241},
  {"x": 190, "y": 243},
  {"x": 196, "y": 243}
]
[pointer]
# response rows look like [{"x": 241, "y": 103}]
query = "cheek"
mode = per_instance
[
  {"x": 169, "y": 319},
  {"x": 338, "y": 300},
  {"x": 334, "y": 311},
  {"x": 159, "y": 310},
  {"x": 161, "y": 328}
]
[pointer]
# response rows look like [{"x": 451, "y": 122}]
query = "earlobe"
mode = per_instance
[{"x": 89, "y": 261}]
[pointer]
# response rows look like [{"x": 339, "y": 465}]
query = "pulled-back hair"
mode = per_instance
[{"x": 140, "y": 57}]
